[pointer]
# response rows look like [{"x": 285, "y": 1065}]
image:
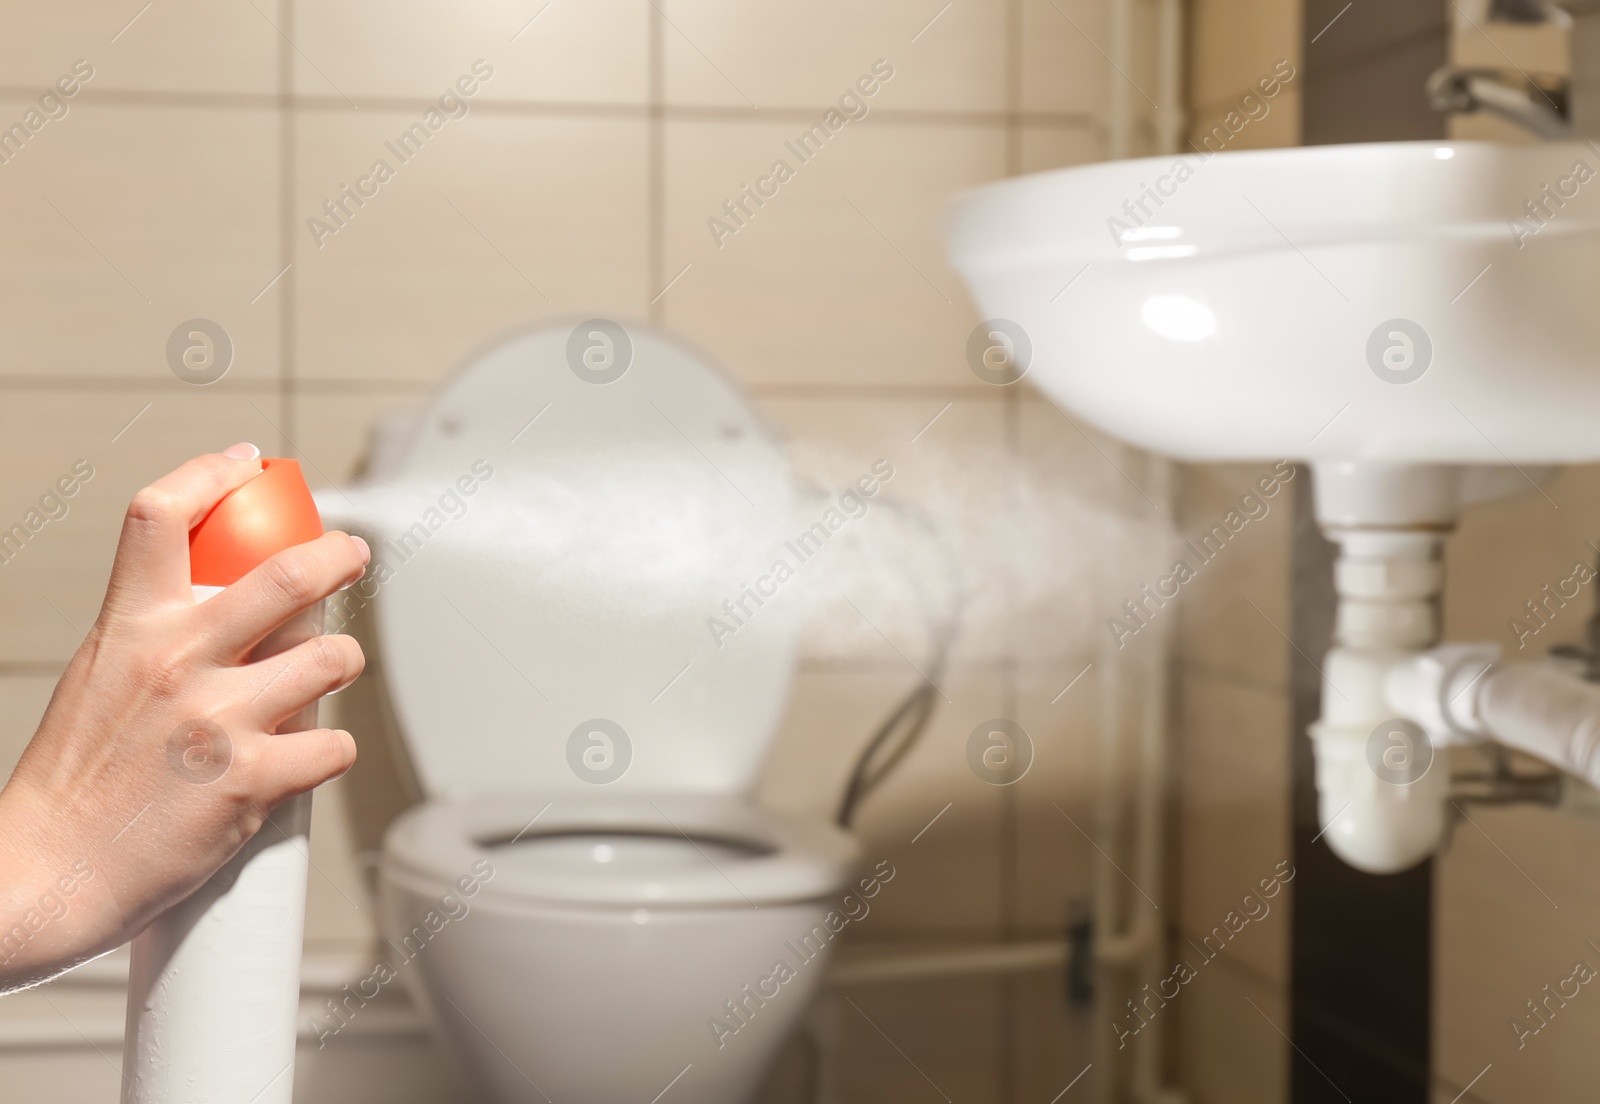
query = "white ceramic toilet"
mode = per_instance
[{"x": 588, "y": 892}]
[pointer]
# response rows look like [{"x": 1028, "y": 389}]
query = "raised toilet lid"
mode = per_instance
[{"x": 572, "y": 509}]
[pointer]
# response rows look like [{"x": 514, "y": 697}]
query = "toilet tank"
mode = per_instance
[{"x": 575, "y": 578}]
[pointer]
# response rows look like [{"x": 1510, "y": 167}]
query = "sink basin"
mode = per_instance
[{"x": 1362, "y": 302}]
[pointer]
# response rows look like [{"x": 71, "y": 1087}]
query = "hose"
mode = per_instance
[{"x": 910, "y": 717}]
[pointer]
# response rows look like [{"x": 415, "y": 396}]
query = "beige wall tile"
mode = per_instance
[
  {"x": 41, "y": 1076},
  {"x": 788, "y": 1080},
  {"x": 1052, "y": 1040},
  {"x": 1057, "y": 147},
  {"x": 807, "y": 55},
  {"x": 382, "y": 784},
  {"x": 333, "y": 432},
  {"x": 177, "y": 46},
  {"x": 22, "y": 703},
  {"x": 1232, "y": 1052},
  {"x": 1058, "y": 800},
  {"x": 1515, "y": 910},
  {"x": 1234, "y": 816},
  {"x": 1092, "y": 531},
  {"x": 1234, "y": 43},
  {"x": 831, "y": 714},
  {"x": 812, "y": 289},
  {"x": 593, "y": 52},
  {"x": 1119, "y": 478},
  {"x": 1505, "y": 553},
  {"x": 51, "y": 590},
  {"x": 1064, "y": 63},
  {"x": 404, "y": 1068},
  {"x": 339, "y": 909},
  {"x": 1236, "y": 610},
  {"x": 930, "y": 539},
  {"x": 496, "y": 222},
  {"x": 1068, "y": 68},
  {"x": 159, "y": 215},
  {"x": 946, "y": 1032},
  {"x": 947, "y": 882},
  {"x": 1277, "y": 127}
]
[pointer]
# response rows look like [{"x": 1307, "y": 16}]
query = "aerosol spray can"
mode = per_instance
[{"x": 214, "y": 990}]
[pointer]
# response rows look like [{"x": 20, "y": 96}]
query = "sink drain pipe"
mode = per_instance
[
  {"x": 1381, "y": 801},
  {"x": 214, "y": 986},
  {"x": 1380, "y": 806}
]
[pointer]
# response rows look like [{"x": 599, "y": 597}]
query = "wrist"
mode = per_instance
[{"x": 47, "y": 924}]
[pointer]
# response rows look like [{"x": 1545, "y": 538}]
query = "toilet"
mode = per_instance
[{"x": 586, "y": 672}]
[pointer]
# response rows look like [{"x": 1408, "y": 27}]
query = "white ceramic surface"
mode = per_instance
[
  {"x": 576, "y": 581},
  {"x": 1230, "y": 318},
  {"x": 542, "y": 996},
  {"x": 742, "y": 855}
]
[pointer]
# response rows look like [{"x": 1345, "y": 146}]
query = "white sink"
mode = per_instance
[{"x": 1234, "y": 321}]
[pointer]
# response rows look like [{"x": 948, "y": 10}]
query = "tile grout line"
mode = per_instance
[
  {"x": 1010, "y": 415},
  {"x": 655, "y": 155},
  {"x": 1013, "y": 91},
  {"x": 252, "y": 101},
  {"x": 288, "y": 408},
  {"x": 1011, "y": 812},
  {"x": 21, "y": 381}
]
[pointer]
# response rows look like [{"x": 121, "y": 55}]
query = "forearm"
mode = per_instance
[{"x": 53, "y": 909}]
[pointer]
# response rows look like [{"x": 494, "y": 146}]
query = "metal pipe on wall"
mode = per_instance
[
  {"x": 1171, "y": 117},
  {"x": 1125, "y": 952},
  {"x": 1109, "y": 946},
  {"x": 1119, "y": 114},
  {"x": 1151, "y": 820}
]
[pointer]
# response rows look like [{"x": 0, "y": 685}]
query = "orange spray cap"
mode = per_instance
[{"x": 272, "y": 512}]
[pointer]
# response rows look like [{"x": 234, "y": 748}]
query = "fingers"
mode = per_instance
[
  {"x": 291, "y": 680},
  {"x": 236, "y": 620},
  {"x": 152, "y": 562},
  {"x": 293, "y": 763}
]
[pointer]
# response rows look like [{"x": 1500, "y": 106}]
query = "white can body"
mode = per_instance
[{"x": 214, "y": 989}]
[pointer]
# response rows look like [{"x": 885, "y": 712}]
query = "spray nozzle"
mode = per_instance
[{"x": 272, "y": 512}]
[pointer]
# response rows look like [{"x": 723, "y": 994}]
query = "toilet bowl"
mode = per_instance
[
  {"x": 588, "y": 905},
  {"x": 618, "y": 946}
]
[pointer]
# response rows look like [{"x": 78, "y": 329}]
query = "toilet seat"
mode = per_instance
[{"x": 774, "y": 858}]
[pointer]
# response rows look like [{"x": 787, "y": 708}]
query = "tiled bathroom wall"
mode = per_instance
[
  {"x": 599, "y": 141},
  {"x": 1517, "y": 903},
  {"x": 1232, "y": 707}
]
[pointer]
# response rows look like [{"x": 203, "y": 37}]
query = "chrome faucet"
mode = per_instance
[{"x": 1550, "y": 106}]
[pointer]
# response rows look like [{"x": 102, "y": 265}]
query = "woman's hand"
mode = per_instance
[{"x": 156, "y": 759}]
